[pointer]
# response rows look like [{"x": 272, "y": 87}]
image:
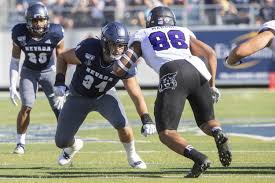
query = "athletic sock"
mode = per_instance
[
  {"x": 217, "y": 128},
  {"x": 129, "y": 148},
  {"x": 20, "y": 138},
  {"x": 191, "y": 153}
]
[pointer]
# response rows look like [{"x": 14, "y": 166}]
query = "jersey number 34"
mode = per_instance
[{"x": 174, "y": 38}]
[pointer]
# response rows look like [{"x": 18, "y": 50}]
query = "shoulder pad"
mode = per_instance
[{"x": 56, "y": 29}]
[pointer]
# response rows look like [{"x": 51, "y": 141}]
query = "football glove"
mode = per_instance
[
  {"x": 59, "y": 102},
  {"x": 148, "y": 126},
  {"x": 216, "y": 95},
  {"x": 13, "y": 95},
  {"x": 60, "y": 93}
]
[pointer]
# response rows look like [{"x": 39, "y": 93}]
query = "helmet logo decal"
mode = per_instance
[
  {"x": 89, "y": 58},
  {"x": 167, "y": 19},
  {"x": 160, "y": 21},
  {"x": 22, "y": 40}
]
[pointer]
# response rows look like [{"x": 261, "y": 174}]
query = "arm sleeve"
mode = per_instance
[{"x": 14, "y": 74}]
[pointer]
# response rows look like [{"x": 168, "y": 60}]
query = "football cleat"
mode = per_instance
[
  {"x": 136, "y": 162},
  {"x": 198, "y": 168},
  {"x": 68, "y": 153},
  {"x": 19, "y": 149},
  {"x": 223, "y": 148}
]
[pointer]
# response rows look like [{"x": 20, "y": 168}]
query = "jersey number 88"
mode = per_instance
[{"x": 159, "y": 40}]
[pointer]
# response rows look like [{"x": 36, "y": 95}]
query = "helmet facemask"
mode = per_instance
[
  {"x": 114, "y": 40},
  {"x": 38, "y": 26},
  {"x": 160, "y": 16},
  {"x": 116, "y": 49},
  {"x": 37, "y": 18}
]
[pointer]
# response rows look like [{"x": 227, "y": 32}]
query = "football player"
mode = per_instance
[
  {"x": 174, "y": 53},
  {"x": 40, "y": 41},
  {"x": 92, "y": 89},
  {"x": 264, "y": 39}
]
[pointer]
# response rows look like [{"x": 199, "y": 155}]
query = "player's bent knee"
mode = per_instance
[
  {"x": 163, "y": 135},
  {"x": 205, "y": 128},
  {"x": 61, "y": 142},
  {"x": 125, "y": 132},
  {"x": 26, "y": 109},
  {"x": 120, "y": 126}
]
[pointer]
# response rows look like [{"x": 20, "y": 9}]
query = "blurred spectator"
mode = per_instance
[
  {"x": 61, "y": 13},
  {"x": 243, "y": 9},
  {"x": 136, "y": 16},
  {"x": 109, "y": 11},
  {"x": 95, "y": 13},
  {"x": 230, "y": 14},
  {"x": 180, "y": 2},
  {"x": 267, "y": 12},
  {"x": 211, "y": 11},
  {"x": 238, "y": 2},
  {"x": 255, "y": 2},
  {"x": 81, "y": 14},
  {"x": 193, "y": 12},
  {"x": 227, "y": 8},
  {"x": 19, "y": 14},
  {"x": 167, "y": 2},
  {"x": 97, "y": 7}
]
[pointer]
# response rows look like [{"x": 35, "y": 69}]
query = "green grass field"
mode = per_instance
[{"x": 103, "y": 160}]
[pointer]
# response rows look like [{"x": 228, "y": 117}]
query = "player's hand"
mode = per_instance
[
  {"x": 148, "y": 126},
  {"x": 59, "y": 102},
  {"x": 230, "y": 65},
  {"x": 216, "y": 95},
  {"x": 13, "y": 95},
  {"x": 60, "y": 91}
]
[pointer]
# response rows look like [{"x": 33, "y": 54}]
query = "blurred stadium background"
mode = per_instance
[
  {"x": 247, "y": 115},
  {"x": 220, "y": 23}
]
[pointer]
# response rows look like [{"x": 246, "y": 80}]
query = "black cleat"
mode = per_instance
[
  {"x": 198, "y": 168},
  {"x": 223, "y": 148}
]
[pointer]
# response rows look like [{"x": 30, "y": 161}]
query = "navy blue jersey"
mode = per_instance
[
  {"x": 38, "y": 52},
  {"x": 93, "y": 78}
]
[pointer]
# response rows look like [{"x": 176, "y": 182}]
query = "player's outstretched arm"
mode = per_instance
[
  {"x": 65, "y": 58},
  {"x": 134, "y": 91},
  {"x": 260, "y": 41},
  {"x": 200, "y": 49},
  {"x": 129, "y": 58}
]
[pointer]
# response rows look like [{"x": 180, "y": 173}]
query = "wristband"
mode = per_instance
[
  {"x": 59, "y": 79},
  {"x": 146, "y": 119}
]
